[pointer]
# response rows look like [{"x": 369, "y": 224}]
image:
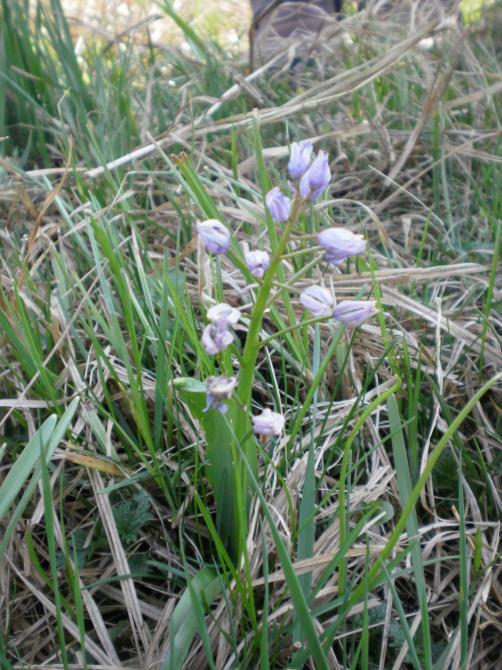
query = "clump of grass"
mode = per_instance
[{"x": 368, "y": 531}]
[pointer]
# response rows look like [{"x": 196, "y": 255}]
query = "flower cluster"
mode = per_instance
[
  {"x": 313, "y": 178},
  {"x": 310, "y": 176}
]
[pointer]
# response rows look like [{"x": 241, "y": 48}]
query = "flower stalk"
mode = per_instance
[{"x": 252, "y": 345}]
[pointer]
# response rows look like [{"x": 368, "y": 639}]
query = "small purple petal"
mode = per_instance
[
  {"x": 268, "y": 423},
  {"x": 210, "y": 400},
  {"x": 316, "y": 178},
  {"x": 299, "y": 159},
  {"x": 340, "y": 243},
  {"x": 223, "y": 315},
  {"x": 317, "y": 300},
  {"x": 219, "y": 389},
  {"x": 354, "y": 312},
  {"x": 257, "y": 262},
  {"x": 214, "y": 339},
  {"x": 278, "y": 204},
  {"x": 215, "y": 236}
]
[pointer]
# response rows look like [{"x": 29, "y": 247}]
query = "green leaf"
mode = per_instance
[
  {"x": 189, "y": 385},
  {"x": 48, "y": 436},
  {"x": 222, "y": 468},
  {"x": 203, "y": 588},
  {"x": 131, "y": 515}
]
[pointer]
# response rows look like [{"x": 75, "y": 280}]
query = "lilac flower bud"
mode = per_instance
[
  {"x": 268, "y": 423},
  {"x": 216, "y": 339},
  {"x": 279, "y": 205},
  {"x": 223, "y": 315},
  {"x": 299, "y": 159},
  {"x": 257, "y": 262},
  {"x": 215, "y": 235},
  {"x": 317, "y": 300},
  {"x": 316, "y": 178},
  {"x": 354, "y": 312},
  {"x": 340, "y": 243},
  {"x": 219, "y": 389}
]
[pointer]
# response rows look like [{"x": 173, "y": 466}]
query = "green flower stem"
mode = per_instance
[
  {"x": 305, "y": 269},
  {"x": 252, "y": 345},
  {"x": 301, "y": 252},
  {"x": 280, "y": 333}
]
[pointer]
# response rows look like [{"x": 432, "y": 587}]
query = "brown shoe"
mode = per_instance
[{"x": 277, "y": 24}]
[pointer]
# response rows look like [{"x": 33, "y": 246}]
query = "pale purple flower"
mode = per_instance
[
  {"x": 316, "y": 178},
  {"x": 340, "y": 243},
  {"x": 299, "y": 159},
  {"x": 317, "y": 300},
  {"x": 257, "y": 262},
  {"x": 219, "y": 389},
  {"x": 279, "y": 205},
  {"x": 216, "y": 339},
  {"x": 223, "y": 315},
  {"x": 217, "y": 336},
  {"x": 354, "y": 312},
  {"x": 268, "y": 423},
  {"x": 215, "y": 235}
]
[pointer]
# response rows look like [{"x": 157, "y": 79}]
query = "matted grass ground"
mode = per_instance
[{"x": 374, "y": 540}]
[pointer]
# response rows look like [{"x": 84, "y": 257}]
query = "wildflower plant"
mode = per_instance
[
  {"x": 226, "y": 454},
  {"x": 223, "y": 403}
]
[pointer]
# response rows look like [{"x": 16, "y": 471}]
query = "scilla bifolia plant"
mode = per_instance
[{"x": 222, "y": 403}]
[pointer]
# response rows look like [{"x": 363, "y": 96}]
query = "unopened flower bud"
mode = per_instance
[
  {"x": 279, "y": 205},
  {"x": 215, "y": 236},
  {"x": 316, "y": 178},
  {"x": 299, "y": 159},
  {"x": 268, "y": 423},
  {"x": 317, "y": 300},
  {"x": 257, "y": 262},
  {"x": 354, "y": 312},
  {"x": 340, "y": 244}
]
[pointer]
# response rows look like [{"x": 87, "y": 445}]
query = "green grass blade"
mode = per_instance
[
  {"x": 464, "y": 572},
  {"x": 404, "y": 483},
  {"x": 307, "y": 506},
  {"x": 302, "y": 611}
]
